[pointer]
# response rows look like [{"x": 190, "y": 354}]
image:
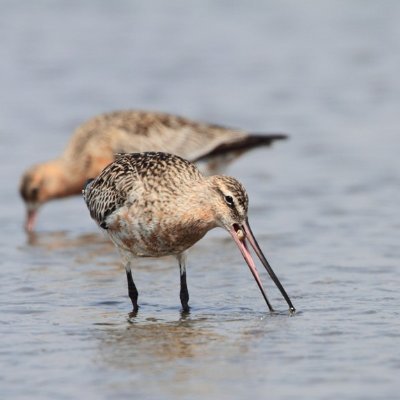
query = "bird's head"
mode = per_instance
[
  {"x": 230, "y": 210},
  {"x": 39, "y": 184},
  {"x": 232, "y": 203}
]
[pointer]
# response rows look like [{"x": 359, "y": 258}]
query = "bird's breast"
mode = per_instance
[{"x": 159, "y": 232}]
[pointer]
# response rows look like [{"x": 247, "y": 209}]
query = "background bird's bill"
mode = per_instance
[
  {"x": 30, "y": 221},
  {"x": 239, "y": 235}
]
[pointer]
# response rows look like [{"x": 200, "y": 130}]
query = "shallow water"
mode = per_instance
[{"x": 324, "y": 205}]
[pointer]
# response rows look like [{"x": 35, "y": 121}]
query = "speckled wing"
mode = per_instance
[
  {"x": 130, "y": 176},
  {"x": 140, "y": 131},
  {"x": 111, "y": 189},
  {"x": 185, "y": 138}
]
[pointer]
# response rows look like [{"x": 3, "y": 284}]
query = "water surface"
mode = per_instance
[{"x": 323, "y": 205}]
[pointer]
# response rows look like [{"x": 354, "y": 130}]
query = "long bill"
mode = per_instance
[
  {"x": 31, "y": 214},
  {"x": 249, "y": 235},
  {"x": 239, "y": 239}
]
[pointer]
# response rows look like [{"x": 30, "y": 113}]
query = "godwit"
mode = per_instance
[
  {"x": 157, "y": 204},
  {"x": 94, "y": 144}
]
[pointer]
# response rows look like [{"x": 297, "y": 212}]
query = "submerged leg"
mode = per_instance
[
  {"x": 184, "y": 294},
  {"x": 132, "y": 291}
]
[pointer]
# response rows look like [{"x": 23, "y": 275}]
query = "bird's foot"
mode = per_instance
[
  {"x": 185, "y": 309},
  {"x": 134, "y": 311}
]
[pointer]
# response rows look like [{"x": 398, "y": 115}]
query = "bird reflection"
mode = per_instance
[
  {"x": 83, "y": 248},
  {"x": 63, "y": 240},
  {"x": 154, "y": 341}
]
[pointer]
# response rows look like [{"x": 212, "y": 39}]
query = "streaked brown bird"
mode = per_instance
[
  {"x": 95, "y": 143},
  {"x": 156, "y": 204}
]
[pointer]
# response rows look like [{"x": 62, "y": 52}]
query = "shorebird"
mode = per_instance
[
  {"x": 94, "y": 144},
  {"x": 156, "y": 204}
]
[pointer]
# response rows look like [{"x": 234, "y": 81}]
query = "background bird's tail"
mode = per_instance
[{"x": 240, "y": 146}]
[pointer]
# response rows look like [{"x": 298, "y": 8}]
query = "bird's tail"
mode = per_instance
[{"x": 246, "y": 143}]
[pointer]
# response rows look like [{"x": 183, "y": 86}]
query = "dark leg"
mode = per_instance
[
  {"x": 184, "y": 293},
  {"x": 133, "y": 293}
]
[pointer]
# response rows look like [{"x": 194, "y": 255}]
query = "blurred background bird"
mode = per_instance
[{"x": 94, "y": 144}]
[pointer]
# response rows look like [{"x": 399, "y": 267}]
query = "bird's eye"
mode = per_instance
[{"x": 229, "y": 200}]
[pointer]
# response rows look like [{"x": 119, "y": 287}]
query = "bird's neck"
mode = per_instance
[
  {"x": 62, "y": 179},
  {"x": 197, "y": 209},
  {"x": 72, "y": 173}
]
